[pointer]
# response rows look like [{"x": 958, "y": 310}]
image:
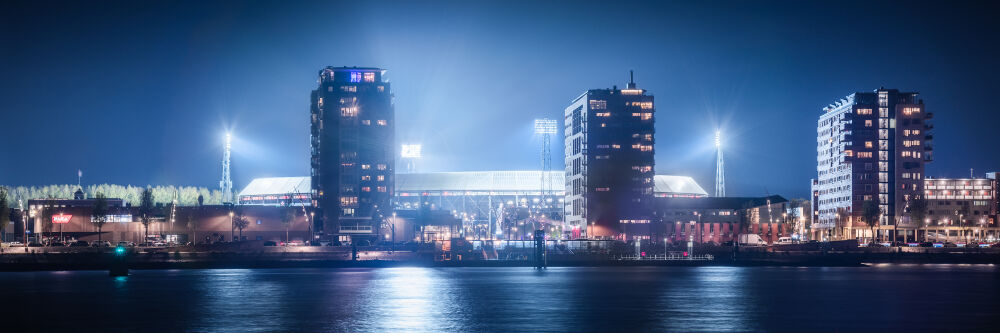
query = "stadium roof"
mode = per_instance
[
  {"x": 277, "y": 185},
  {"x": 679, "y": 185},
  {"x": 497, "y": 181},
  {"x": 520, "y": 181},
  {"x": 475, "y": 181}
]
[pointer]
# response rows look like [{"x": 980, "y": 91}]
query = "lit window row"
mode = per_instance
[
  {"x": 596, "y": 104},
  {"x": 603, "y": 114},
  {"x": 349, "y": 111}
]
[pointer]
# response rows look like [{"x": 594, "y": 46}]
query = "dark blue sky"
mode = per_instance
[{"x": 141, "y": 92}]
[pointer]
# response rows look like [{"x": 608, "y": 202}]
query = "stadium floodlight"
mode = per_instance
[
  {"x": 546, "y": 126},
  {"x": 411, "y": 151}
]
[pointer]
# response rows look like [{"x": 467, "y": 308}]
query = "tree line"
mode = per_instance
[{"x": 161, "y": 195}]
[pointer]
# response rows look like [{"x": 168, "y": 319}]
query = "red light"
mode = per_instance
[
  {"x": 685, "y": 253},
  {"x": 643, "y": 253}
]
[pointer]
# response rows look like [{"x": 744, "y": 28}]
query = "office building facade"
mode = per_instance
[
  {"x": 609, "y": 163},
  {"x": 353, "y": 155},
  {"x": 871, "y": 146}
]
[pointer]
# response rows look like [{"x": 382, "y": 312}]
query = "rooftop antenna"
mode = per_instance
[
  {"x": 79, "y": 177},
  {"x": 631, "y": 80}
]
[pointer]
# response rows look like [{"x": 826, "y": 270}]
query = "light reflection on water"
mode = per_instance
[{"x": 893, "y": 297}]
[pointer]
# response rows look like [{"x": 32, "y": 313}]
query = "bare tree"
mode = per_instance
[
  {"x": 146, "y": 211},
  {"x": 870, "y": 213},
  {"x": 4, "y": 213},
  {"x": 240, "y": 221},
  {"x": 100, "y": 213},
  {"x": 918, "y": 216}
]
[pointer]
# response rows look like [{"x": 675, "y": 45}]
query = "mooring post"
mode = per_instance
[{"x": 540, "y": 249}]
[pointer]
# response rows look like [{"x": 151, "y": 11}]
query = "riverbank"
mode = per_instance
[{"x": 372, "y": 259}]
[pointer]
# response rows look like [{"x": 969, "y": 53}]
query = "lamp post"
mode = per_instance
[
  {"x": 701, "y": 235},
  {"x": 312, "y": 219},
  {"x": 392, "y": 227},
  {"x": 232, "y": 227}
]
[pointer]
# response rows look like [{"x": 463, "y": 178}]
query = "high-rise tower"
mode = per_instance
[
  {"x": 609, "y": 162},
  {"x": 353, "y": 150},
  {"x": 720, "y": 170},
  {"x": 871, "y": 146}
]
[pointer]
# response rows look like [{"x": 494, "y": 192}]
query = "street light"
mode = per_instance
[{"x": 232, "y": 227}]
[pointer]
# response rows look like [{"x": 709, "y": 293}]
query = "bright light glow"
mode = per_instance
[
  {"x": 546, "y": 126},
  {"x": 411, "y": 151},
  {"x": 718, "y": 139}
]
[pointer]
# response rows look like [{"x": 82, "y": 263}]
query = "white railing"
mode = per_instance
[{"x": 668, "y": 257}]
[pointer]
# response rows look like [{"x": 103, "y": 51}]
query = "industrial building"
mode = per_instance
[
  {"x": 609, "y": 140},
  {"x": 871, "y": 146},
  {"x": 353, "y": 150},
  {"x": 959, "y": 210}
]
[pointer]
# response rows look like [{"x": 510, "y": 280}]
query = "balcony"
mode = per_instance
[{"x": 356, "y": 229}]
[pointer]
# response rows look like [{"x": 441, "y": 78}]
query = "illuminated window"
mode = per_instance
[
  {"x": 381, "y": 122},
  {"x": 349, "y": 111},
  {"x": 381, "y": 189},
  {"x": 366, "y": 122},
  {"x": 868, "y": 123},
  {"x": 864, "y": 154},
  {"x": 381, "y": 166},
  {"x": 602, "y": 189},
  {"x": 598, "y": 104},
  {"x": 366, "y": 177},
  {"x": 381, "y": 178},
  {"x": 366, "y": 189},
  {"x": 381, "y": 88},
  {"x": 603, "y": 114},
  {"x": 647, "y": 116},
  {"x": 369, "y": 77},
  {"x": 868, "y": 144},
  {"x": 616, "y": 146},
  {"x": 865, "y": 111},
  {"x": 348, "y": 88},
  {"x": 604, "y": 125},
  {"x": 910, "y": 111},
  {"x": 365, "y": 167},
  {"x": 647, "y": 105}
]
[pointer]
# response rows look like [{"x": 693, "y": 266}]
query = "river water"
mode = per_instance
[{"x": 605, "y": 299}]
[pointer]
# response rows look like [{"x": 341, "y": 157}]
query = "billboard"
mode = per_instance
[{"x": 61, "y": 218}]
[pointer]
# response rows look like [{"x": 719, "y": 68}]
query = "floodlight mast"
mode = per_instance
[
  {"x": 720, "y": 173},
  {"x": 226, "y": 184},
  {"x": 410, "y": 153},
  {"x": 546, "y": 127}
]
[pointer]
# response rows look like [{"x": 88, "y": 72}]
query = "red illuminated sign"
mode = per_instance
[{"x": 61, "y": 218}]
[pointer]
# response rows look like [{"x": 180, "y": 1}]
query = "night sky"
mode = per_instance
[{"x": 141, "y": 92}]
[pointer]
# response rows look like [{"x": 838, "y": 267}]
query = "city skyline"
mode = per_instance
[{"x": 704, "y": 74}]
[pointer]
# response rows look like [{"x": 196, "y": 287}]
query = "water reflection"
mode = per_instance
[{"x": 893, "y": 297}]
